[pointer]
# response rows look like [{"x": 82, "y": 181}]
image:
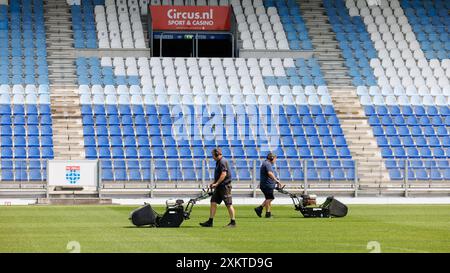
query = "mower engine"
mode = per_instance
[
  {"x": 309, "y": 200},
  {"x": 170, "y": 204},
  {"x": 174, "y": 214}
]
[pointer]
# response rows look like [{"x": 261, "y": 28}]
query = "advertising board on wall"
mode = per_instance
[{"x": 200, "y": 18}]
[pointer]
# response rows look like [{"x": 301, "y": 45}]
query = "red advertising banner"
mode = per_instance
[{"x": 207, "y": 18}]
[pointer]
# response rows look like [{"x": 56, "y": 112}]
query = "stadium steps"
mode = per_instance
[
  {"x": 67, "y": 123},
  {"x": 354, "y": 123},
  {"x": 61, "y": 54},
  {"x": 66, "y": 114},
  {"x": 359, "y": 135}
]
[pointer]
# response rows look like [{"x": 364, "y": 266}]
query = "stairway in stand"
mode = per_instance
[{"x": 65, "y": 104}]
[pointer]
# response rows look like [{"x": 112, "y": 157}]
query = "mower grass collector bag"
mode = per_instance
[
  {"x": 336, "y": 208},
  {"x": 144, "y": 216}
]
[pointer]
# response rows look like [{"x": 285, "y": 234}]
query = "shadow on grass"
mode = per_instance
[{"x": 148, "y": 227}]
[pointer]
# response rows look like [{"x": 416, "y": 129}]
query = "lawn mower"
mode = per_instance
[
  {"x": 174, "y": 215},
  {"x": 307, "y": 206}
]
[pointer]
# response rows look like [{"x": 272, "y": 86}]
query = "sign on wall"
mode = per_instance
[
  {"x": 73, "y": 173},
  {"x": 205, "y": 18}
]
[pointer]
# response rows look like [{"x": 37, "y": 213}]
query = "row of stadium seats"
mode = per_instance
[
  {"x": 26, "y": 152},
  {"x": 391, "y": 100},
  {"x": 25, "y": 99},
  {"x": 24, "y": 89},
  {"x": 420, "y": 174},
  {"x": 23, "y": 170},
  {"x": 187, "y": 153},
  {"x": 112, "y": 99},
  {"x": 26, "y": 130},
  {"x": 400, "y": 91},
  {"x": 289, "y": 111}
]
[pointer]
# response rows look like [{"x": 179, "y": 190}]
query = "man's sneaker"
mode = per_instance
[
  {"x": 206, "y": 224},
  {"x": 269, "y": 215},
  {"x": 231, "y": 225},
  {"x": 259, "y": 211}
]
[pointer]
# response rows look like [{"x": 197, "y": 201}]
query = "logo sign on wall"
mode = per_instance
[
  {"x": 73, "y": 174},
  {"x": 205, "y": 18}
]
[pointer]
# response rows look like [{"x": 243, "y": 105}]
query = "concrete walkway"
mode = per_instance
[{"x": 278, "y": 201}]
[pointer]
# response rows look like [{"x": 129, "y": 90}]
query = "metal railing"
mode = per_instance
[
  {"x": 306, "y": 175},
  {"x": 179, "y": 170},
  {"x": 289, "y": 170}
]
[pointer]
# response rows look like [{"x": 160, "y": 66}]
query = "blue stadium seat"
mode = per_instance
[
  {"x": 135, "y": 175},
  {"x": 35, "y": 175}
]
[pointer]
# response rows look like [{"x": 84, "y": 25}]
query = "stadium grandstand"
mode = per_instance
[{"x": 353, "y": 96}]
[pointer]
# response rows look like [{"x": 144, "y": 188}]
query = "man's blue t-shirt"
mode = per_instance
[{"x": 265, "y": 181}]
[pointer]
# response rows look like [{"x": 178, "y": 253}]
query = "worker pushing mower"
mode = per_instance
[
  {"x": 306, "y": 204},
  {"x": 174, "y": 215}
]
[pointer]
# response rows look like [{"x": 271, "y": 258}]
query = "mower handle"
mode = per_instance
[
  {"x": 190, "y": 205},
  {"x": 295, "y": 199},
  {"x": 283, "y": 191}
]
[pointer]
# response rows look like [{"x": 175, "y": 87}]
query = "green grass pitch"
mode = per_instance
[{"x": 397, "y": 228}]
